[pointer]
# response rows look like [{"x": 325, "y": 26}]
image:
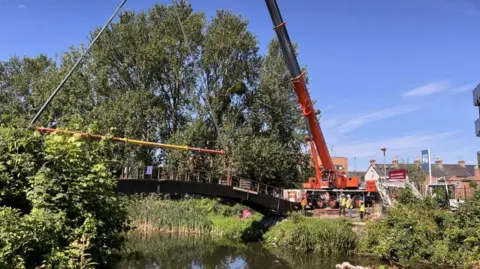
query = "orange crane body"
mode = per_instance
[{"x": 329, "y": 177}]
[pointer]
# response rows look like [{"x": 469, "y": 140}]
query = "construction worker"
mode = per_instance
[
  {"x": 349, "y": 205},
  {"x": 342, "y": 204},
  {"x": 304, "y": 204},
  {"x": 362, "y": 209}
]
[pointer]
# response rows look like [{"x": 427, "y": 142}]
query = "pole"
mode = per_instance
[
  {"x": 131, "y": 141},
  {"x": 429, "y": 169},
  {"x": 75, "y": 65},
  {"x": 355, "y": 162},
  {"x": 384, "y": 165},
  {"x": 384, "y": 162}
]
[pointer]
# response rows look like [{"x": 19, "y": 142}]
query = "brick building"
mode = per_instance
[
  {"x": 459, "y": 174},
  {"x": 340, "y": 163}
]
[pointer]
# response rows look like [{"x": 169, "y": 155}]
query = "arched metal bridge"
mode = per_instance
[{"x": 263, "y": 198}]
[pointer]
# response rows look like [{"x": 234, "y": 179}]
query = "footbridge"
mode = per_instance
[{"x": 261, "y": 197}]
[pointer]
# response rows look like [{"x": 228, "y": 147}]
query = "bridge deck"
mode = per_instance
[{"x": 261, "y": 197}]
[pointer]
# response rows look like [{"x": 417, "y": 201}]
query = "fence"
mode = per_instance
[
  {"x": 464, "y": 193},
  {"x": 201, "y": 176}
]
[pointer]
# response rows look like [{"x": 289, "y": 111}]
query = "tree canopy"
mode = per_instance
[{"x": 168, "y": 74}]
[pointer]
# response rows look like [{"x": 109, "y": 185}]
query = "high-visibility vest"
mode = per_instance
[
  {"x": 304, "y": 202},
  {"x": 349, "y": 203},
  {"x": 343, "y": 201},
  {"x": 362, "y": 208}
]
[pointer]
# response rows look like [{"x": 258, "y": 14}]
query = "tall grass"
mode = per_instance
[
  {"x": 327, "y": 236},
  {"x": 191, "y": 216}
]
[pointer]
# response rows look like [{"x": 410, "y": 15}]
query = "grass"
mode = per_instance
[
  {"x": 324, "y": 236},
  {"x": 192, "y": 216}
]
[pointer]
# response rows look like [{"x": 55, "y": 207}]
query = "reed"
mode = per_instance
[
  {"x": 191, "y": 216},
  {"x": 325, "y": 236}
]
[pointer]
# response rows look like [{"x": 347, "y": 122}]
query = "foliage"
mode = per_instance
[
  {"x": 416, "y": 175},
  {"x": 59, "y": 206},
  {"x": 329, "y": 236},
  {"x": 421, "y": 231},
  {"x": 193, "y": 216},
  {"x": 473, "y": 185},
  {"x": 167, "y": 74},
  {"x": 407, "y": 197},
  {"x": 250, "y": 229}
]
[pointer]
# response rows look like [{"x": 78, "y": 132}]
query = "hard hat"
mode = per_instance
[{"x": 348, "y": 195}]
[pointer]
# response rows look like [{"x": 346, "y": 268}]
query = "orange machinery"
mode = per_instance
[{"x": 329, "y": 177}]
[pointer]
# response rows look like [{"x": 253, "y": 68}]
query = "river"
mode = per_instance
[{"x": 163, "y": 251}]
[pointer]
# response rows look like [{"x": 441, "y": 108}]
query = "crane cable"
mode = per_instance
[
  {"x": 54, "y": 93},
  {"x": 185, "y": 37}
]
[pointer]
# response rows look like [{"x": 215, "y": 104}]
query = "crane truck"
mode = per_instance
[
  {"x": 321, "y": 190},
  {"x": 324, "y": 189}
]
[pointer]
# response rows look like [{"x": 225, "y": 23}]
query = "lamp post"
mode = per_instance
[
  {"x": 355, "y": 160},
  {"x": 384, "y": 149}
]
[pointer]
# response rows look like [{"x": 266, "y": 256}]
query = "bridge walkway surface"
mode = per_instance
[{"x": 261, "y": 197}]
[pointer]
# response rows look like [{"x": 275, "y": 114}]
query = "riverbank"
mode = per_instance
[
  {"x": 193, "y": 216},
  {"x": 412, "y": 234}
]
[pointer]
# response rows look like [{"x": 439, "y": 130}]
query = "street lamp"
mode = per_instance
[{"x": 384, "y": 149}]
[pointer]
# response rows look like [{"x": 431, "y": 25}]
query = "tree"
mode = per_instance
[
  {"x": 58, "y": 199},
  {"x": 169, "y": 75},
  {"x": 416, "y": 175}
]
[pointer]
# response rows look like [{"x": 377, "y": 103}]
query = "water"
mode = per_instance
[{"x": 161, "y": 251}]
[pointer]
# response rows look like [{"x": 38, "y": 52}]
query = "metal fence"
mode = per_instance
[{"x": 201, "y": 176}]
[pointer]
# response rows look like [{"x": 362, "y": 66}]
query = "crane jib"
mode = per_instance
[{"x": 300, "y": 86}]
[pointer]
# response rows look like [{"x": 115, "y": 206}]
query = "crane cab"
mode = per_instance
[{"x": 344, "y": 182}]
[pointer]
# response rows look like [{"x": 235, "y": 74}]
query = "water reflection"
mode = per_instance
[{"x": 162, "y": 251}]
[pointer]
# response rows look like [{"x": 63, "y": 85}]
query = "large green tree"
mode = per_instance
[{"x": 167, "y": 74}]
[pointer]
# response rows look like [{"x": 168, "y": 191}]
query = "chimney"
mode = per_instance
[
  {"x": 461, "y": 163},
  {"x": 395, "y": 162},
  {"x": 476, "y": 171},
  {"x": 416, "y": 161},
  {"x": 372, "y": 162},
  {"x": 439, "y": 162}
]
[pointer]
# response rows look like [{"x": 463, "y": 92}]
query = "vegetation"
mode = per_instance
[
  {"x": 193, "y": 216},
  {"x": 420, "y": 231},
  {"x": 58, "y": 206},
  {"x": 324, "y": 236},
  {"x": 206, "y": 86}
]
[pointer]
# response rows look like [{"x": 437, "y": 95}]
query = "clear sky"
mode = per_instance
[{"x": 397, "y": 74}]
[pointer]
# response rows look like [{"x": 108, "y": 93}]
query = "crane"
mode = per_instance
[{"x": 329, "y": 176}]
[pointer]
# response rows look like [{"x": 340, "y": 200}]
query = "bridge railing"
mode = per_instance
[{"x": 202, "y": 176}]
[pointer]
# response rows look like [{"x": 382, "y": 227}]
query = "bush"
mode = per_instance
[
  {"x": 59, "y": 204},
  {"x": 318, "y": 235},
  {"x": 421, "y": 231}
]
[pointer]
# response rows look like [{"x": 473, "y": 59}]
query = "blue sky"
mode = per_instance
[{"x": 397, "y": 74}]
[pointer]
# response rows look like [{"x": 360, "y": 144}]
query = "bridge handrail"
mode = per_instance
[{"x": 197, "y": 175}]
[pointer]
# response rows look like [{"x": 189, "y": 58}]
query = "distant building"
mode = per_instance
[
  {"x": 340, "y": 163},
  {"x": 459, "y": 174},
  {"x": 378, "y": 171}
]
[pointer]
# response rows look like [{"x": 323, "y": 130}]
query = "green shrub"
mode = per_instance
[
  {"x": 235, "y": 228},
  {"x": 59, "y": 201},
  {"x": 421, "y": 231},
  {"x": 324, "y": 236}
]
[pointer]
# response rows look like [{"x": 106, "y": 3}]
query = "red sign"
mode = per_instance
[{"x": 397, "y": 174}]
